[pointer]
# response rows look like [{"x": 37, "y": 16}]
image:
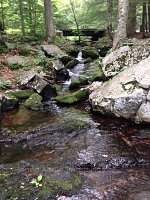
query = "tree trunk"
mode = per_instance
[
  {"x": 144, "y": 16},
  {"x": 121, "y": 31},
  {"x": 48, "y": 20},
  {"x": 75, "y": 19},
  {"x": 34, "y": 17},
  {"x": 110, "y": 11},
  {"x": 30, "y": 4},
  {"x": 21, "y": 17},
  {"x": 2, "y": 28},
  {"x": 131, "y": 23},
  {"x": 149, "y": 16}
]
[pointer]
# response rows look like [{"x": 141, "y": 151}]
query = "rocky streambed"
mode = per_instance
[
  {"x": 70, "y": 153},
  {"x": 77, "y": 154}
]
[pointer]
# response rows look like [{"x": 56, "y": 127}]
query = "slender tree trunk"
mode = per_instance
[
  {"x": 34, "y": 17},
  {"x": 131, "y": 23},
  {"x": 21, "y": 16},
  {"x": 143, "y": 26},
  {"x": 121, "y": 31},
  {"x": 75, "y": 19},
  {"x": 149, "y": 16},
  {"x": 2, "y": 16},
  {"x": 48, "y": 20},
  {"x": 30, "y": 4},
  {"x": 110, "y": 12}
]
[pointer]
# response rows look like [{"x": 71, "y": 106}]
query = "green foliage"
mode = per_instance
[
  {"x": 14, "y": 66},
  {"x": 38, "y": 181},
  {"x": 5, "y": 85}
]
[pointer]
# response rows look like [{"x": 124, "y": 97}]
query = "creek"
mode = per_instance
[{"x": 80, "y": 155}]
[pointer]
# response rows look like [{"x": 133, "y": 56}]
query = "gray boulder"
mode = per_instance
[
  {"x": 125, "y": 57},
  {"x": 17, "y": 60},
  {"x": 126, "y": 94},
  {"x": 42, "y": 87},
  {"x": 53, "y": 51}
]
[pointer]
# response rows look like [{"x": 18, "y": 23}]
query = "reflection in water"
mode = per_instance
[{"x": 24, "y": 119}]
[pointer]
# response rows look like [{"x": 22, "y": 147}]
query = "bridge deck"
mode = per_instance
[{"x": 85, "y": 32}]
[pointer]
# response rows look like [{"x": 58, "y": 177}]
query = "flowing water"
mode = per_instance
[{"x": 81, "y": 155}]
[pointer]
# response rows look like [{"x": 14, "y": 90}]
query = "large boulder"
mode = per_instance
[
  {"x": 15, "y": 62},
  {"x": 8, "y": 102},
  {"x": 53, "y": 51},
  {"x": 126, "y": 56},
  {"x": 126, "y": 95},
  {"x": 90, "y": 52},
  {"x": 42, "y": 87}
]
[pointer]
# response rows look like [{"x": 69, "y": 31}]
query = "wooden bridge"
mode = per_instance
[{"x": 95, "y": 34}]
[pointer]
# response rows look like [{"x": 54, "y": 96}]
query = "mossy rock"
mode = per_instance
[
  {"x": 72, "y": 98},
  {"x": 23, "y": 94},
  {"x": 72, "y": 63},
  {"x": 58, "y": 87},
  {"x": 73, "y": 52},
  {"x": 90, "y": 52},
  {"x": 98, "y": 75},
  {"x": 77, "y": 83},
  {"x": 34, "y": 102}
]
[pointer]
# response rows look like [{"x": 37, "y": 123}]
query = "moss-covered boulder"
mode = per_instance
[
  {"x": 34, "y": 102},
  {"x": 72, "y": 63},
  {"x": 77, "y": 83},
  {"x": 90, "y": 52},
  {"x": 9, "y": 102},
  {"x": 73, "y": 51},
  {"x": 72, "y": 98},
  {"x": 22, "y": 94}
]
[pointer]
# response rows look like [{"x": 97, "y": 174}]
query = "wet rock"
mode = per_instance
[
  {"x": 53, "y": 51},
  {"x": 103, "y": 51},
  {"x": 66, "y": 59},
  {"x": 72, "y": 63},
  {"x": 77, "y": 83},
  {"x": 90, "y": 52},
  {"x": 73, "y": 98},
  {"x": 124, "y": 94},
  {"x": 42, "y": 87},
  {"x": 125, "y": 57},
  {"x": 15, "y": 62},
  {"x": 8, "y": 102},
  {"x": 58, "y": 65},
  {"x": 34, "y": 102},
  {"x": 73, "y": 52},
  {"x": 62, "y": 75}
]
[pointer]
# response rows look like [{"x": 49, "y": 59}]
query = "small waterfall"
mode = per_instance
[{"x": 79, "y": 57}]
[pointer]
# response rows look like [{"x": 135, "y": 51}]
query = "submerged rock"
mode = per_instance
[
  {"x": 73, "y": 98},
  {"x": 34, "y": 102},
  {"x": 125, "y": 94}
]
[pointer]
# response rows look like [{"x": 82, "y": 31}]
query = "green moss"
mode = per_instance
[
  {"x": 73, "y": 98},
  {"x": 23, "y": 94},
  {"x": 89, "y": 52},
  {"x": 58, "y": 87},
  {"x": 34, "y": 102},
  {"x": 72, "y": 64},
  {"x": 73, "y": 52},
  {"x": 98, "y": 75},
  {"x": 78, "y": 82}
]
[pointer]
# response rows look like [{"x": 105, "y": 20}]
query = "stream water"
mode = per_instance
[{"x": 81, "y": 155}]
